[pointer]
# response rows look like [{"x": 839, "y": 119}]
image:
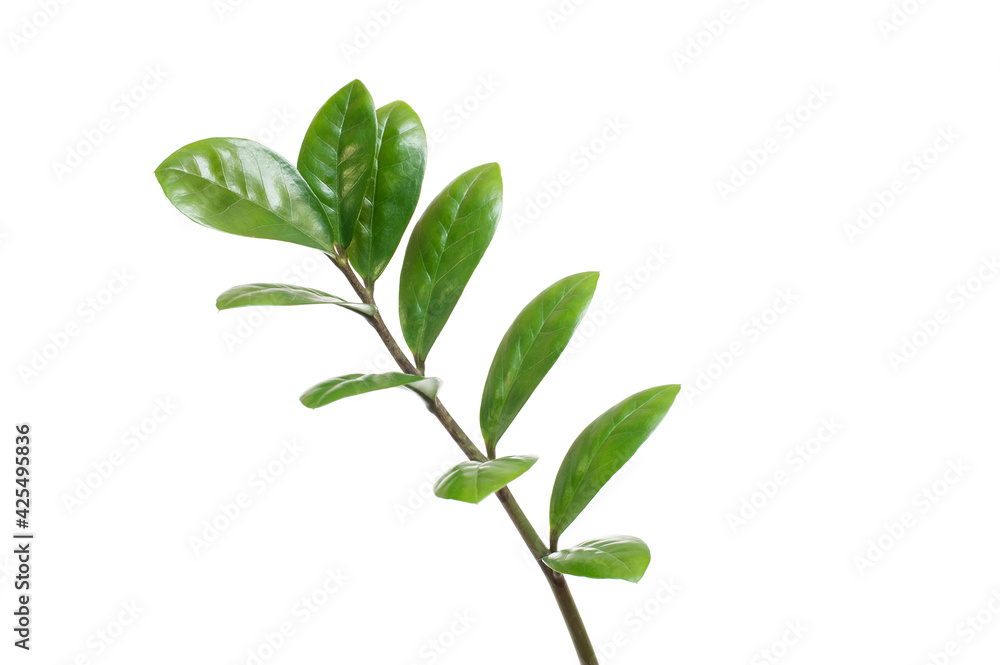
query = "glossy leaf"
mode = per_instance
[
  {"x": 472, "y": 482},
  {"x": 446, "y": 246},
  {"x": 614, "y": 557},
  {"x": 338, "y": 157},
  {"x": 239, "y": 186},
  {"x": 602, "y": 448},
  {"x": 251, "y": 295},
  {"x": 356, "y": 384},
  {"x": 401, "y": 158},
  {"x": 527, "y": 352}
]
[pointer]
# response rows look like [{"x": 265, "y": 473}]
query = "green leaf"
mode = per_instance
[
  {"x": 472, "y": 482},
  {"x": 527, "y": 352},
  {"x": 356, "y": 384},
  {"x": 444, "y": 250},
  {"x": 602, "y": 448},
  {"x": 239, "y": 186},
  {"x": 401, "y": 149},
  {"x": 614, "y": 557},
  {"x": 251, "y": 295},
  {"x": 338, "y": 156}
]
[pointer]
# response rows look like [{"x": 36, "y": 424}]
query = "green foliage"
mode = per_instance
[
  {"x": 474, "y": 481},
  {"x": 354, "y": 192},
  {"x": 614, "y": 557}
]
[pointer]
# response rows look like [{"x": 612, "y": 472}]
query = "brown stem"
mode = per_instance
[{"x": 557, "y": 582}]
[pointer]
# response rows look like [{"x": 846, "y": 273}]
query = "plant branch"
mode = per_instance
[{"x": 557, "y": 582}]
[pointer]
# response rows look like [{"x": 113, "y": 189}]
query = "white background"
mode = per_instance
[{"x": 351, "y": 499}]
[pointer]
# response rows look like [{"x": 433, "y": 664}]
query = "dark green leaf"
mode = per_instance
[
  {"x": 239, "y": 186},
  {"x": 356, "y": 384},
  {"x": 472, "y": 482},
  {"x": 401, "y": 148},
  {"x": 446, "y": 246},
  {"x": 527, "y": 352},
  {"x": 602, "y": 448},
  {"x": 251, "y": 295},
  {"x": 338, "y": 156},
  {"x": 614, "y": 557}
]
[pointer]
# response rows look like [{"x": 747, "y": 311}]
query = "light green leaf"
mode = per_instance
[
  {"x": 251, "y": 295},
  {"x": 241, "y": 187},
  {"x": 446, "y": 246},
  {"x": 602, "y": 449},
  {"x": 527, "y": 352},
  {"x": 472, "y": 482},
  {"x": 338, "y": 156},
  {"x": 401, "y": 148},
  {"x": 614, "y": 557},
  {"x": 356, "y": 384}
]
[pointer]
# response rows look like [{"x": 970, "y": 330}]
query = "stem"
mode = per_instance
[{"x": 557, "y": 582}]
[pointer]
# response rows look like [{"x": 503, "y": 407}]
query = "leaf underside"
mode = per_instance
[
  {"x": 264, "y": 294},
  {"x": 349, "y": 385}
]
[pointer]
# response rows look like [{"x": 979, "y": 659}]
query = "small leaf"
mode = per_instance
[
  {"x": 472, "y": 482},
  {"x": 446, "y": 246},
  {"x": 614, "y": 557},
  {"x": 602, "y": 448},
  {"x": 530, "y": 348},
  {"x": 401, "y": 149},
  {"x": 251, "y": 295},
  {"x": 241, "y": 187},
  {"x": 356, "y": 384},
  {"x": 338, "y": 156}
]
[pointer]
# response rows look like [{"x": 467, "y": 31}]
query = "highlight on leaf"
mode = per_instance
[
  {"x": 472, "y": 482},
  {"x": 613, "y": 557},
  {"x": 282, "y": 295},
  {"x": 443, "y": 251},
  {"x": 529, "y": 349},
  {"x": 350, "y": 385},
  {"x": 244, "y": 188},
  {"x": 337, "y": 157},
  {"x": 602, "y": 448}
]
